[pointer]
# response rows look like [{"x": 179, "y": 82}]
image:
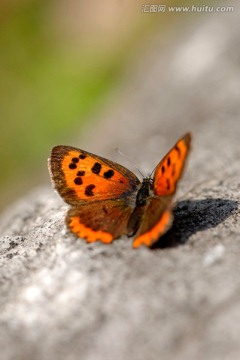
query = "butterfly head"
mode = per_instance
[{"x": 148, "y": 181}]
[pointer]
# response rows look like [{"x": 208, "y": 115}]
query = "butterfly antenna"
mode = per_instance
[
  {"x": 153, "y": 170},
  {"x": 130, "y": 161}
]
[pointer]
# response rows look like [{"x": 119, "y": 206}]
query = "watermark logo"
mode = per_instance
[{"x": 153, "y": 8}]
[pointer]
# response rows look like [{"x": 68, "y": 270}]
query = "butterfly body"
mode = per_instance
[
  {"x": 107, "y": 200},
  {"x": 144, "y": 191}
]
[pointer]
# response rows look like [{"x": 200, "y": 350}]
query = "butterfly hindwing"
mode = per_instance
[
  {"x": 81, "y": 177},
  {"x": 102, "y": 220},
  {"x": 170, "y": 168},
  {"x": 155, "y": 222}
]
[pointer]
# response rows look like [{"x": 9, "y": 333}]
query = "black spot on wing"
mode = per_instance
[
  {"x": 72, "y": 166},
  {"x": 105, "y": 210},
  {"x": 89, "y": 190},
  {"x": 75, "y": 160},
  {"x": 108, "y": 174},
  {"x": 82, "y": 156},
  {"x": 78, "y": 180},
  {"x": 96, "y": 168},
  {"x": 168, "y": 161},
  {"x": 81, "y": 173},
  {"x": 168, "y": 184},
  {"x": 178, "y": 150}
]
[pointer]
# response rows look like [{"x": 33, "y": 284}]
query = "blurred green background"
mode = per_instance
[{"x": 59, "y": 62}]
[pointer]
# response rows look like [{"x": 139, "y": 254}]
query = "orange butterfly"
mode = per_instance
[{"x": 107, "y": 200}]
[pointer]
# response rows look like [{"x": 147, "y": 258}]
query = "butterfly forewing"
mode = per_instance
[
  {"x": 81, "y": 177},
  {"x": 170, "y": 168}
]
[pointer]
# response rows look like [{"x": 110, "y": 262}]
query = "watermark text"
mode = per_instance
[{"x": 153, "y": 8}]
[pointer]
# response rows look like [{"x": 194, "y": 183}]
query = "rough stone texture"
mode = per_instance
[{"x": 64, "y": 299}]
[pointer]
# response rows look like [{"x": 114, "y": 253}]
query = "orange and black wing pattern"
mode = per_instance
[
  {"x": 99, "y": 221},
  {"x": 102, "y": 194},
  {"x": 156, "y": 221},
  {"x": 170, "y": 168},
  {"x": 157, "y": 217},
  {"x": 81, "y": 177}
]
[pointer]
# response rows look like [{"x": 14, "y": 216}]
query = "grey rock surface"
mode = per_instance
[{"x": 64, "y": 299}]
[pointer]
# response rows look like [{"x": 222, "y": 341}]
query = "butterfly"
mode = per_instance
[{"x": 108, "y": 200}]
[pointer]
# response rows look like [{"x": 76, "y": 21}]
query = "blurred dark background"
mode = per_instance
[{"x": 59, "y": 63}]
